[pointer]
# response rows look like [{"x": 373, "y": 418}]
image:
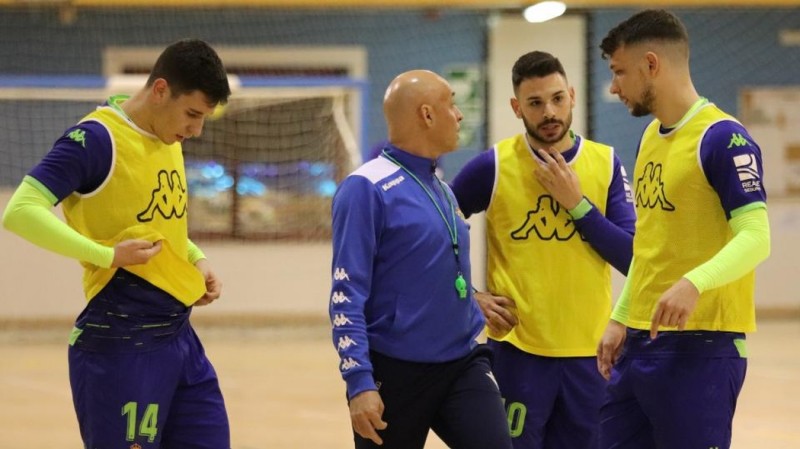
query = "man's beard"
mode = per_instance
[
  {"x": 645, "y": 107},
  {"x": 532, "y": 131}
]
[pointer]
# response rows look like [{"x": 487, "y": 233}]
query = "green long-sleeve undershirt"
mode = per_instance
[
  {"x": 749, "y": 246},
  {"x": 29, "y": 214}
]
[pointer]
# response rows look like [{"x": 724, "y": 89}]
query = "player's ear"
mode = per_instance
[
  {"x": 426, "y": 113},
  {"x": 160, "y": 89},
  {"x": 653, "y": 63},
  {"x": 515, "y": 107}
]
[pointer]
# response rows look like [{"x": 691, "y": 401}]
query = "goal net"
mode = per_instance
[{"x": 265, "y": 167}]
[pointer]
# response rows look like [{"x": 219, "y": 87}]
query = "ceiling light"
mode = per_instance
[{"x": 544, "y": 11}]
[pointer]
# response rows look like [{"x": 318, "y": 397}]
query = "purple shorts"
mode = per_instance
[
  {"x": 165, "y": 397},
  {"x": 551, "y": 402},
  {"x": 677, "y": 391}
]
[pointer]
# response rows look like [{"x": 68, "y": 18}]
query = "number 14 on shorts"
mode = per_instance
[{"x": 148, "y": 427}]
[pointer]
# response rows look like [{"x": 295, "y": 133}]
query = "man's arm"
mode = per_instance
[
  {"x": 732, "y": 163},
  {"x": 473, "y": 185},
  {"x": 79, "y": 161},
  {"x": 213, "y": 283},
  {"x": 357, "y": 220},
  {"x": 611, "y": 235},
  {"x": 749, "y": 247},
  {"x": 473, "y": 188},
  {"x": 610, "y": 345},
  {"x": 357, "y": 215},
  {"x": 29, "y": 214},
  {"x": 195, "y": 253}
]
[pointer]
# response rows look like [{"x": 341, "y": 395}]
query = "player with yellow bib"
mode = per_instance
[
  {"x": 674, "y": 350},
  {"x": 139, "y": 374},
  {"x": 559, "y": 215}
]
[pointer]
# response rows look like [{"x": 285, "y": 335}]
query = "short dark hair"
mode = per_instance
[
  {"x": 536, "y": 64},
  {"x": 644, "y": 26},
  {"x": 189, "y": 65}
]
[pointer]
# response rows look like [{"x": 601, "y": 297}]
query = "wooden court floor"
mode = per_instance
[{"x": 283, "y": 389}]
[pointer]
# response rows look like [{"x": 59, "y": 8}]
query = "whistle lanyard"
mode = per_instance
[{"x": 460, "y": 283}]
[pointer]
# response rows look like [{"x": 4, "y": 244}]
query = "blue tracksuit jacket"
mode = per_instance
[{"x": 394, "y": 270}]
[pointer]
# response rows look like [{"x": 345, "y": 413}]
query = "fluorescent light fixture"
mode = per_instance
[{"x": 544, "y": 11}]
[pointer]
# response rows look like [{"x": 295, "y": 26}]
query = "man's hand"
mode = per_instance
[
  {"x": 213, "y": 284},
  {"x": 134, "y": 252},
  {"x": 366, "y": 409},
  {"x": 675, "y": 306},
  {"x": 559, "y": 178},
  {"x": 500, "y": 313},
  {"x": 609, "y": 347}
]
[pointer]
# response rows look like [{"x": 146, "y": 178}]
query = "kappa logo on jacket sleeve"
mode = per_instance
[
  {"x": 349, "y": 363},
  {"x": 345, "y": 342},
  {"x": 78, "y": 136},
  {"x": 339, "y": 298},
  {"x": 339, "y": 274},
  {"x": 737, "y": 140},
  {"x": 340, "y": 320}
]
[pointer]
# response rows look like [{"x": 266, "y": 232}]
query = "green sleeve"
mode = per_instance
[
  {"x": 748, "y": 247},
  {"x": 622, "y": 307},
  {"x": 195, "y": 253},
  {"x": 29, "y": 214}
]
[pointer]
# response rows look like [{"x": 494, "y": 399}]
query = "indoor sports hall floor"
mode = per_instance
[{"x": 283, "y": 390}]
